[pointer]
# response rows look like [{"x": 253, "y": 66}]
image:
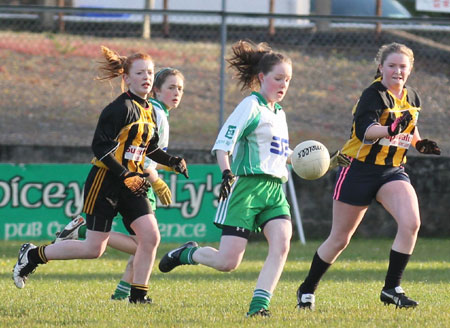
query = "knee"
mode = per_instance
[
  {"x": 339, "y": 244},
  {"x": 280, "y": 248},
  {"x": 150, "y": 241},
  {"x": 156, "y": 240},
  {"x": 285, "y": 246},
  {"x": 411, "y": 226}
]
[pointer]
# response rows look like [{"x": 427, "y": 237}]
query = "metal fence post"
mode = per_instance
[{"x": 223, "y": 40}]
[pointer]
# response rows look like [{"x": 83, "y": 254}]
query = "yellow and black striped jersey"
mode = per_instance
[
  {"x": 127, "y": 129},
  {"x": 377, "y": 105}
]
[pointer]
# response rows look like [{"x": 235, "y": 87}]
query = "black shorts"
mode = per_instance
[
  {"x": 359, "y": 183},
  {"x": 127, "y": 225},
  {"x": 105, "y": 195},
  {"x": 245, "y": 233}
]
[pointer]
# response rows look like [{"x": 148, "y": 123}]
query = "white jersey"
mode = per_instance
[
  {"x": 162, "y": 122},
  {"x": 257, "y": 137}
]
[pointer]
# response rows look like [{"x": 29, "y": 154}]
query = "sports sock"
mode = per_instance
[
  {"x": 397, "y": 264},
  {"x": 82, "y": 232},
  {"x": 37, "y": 255},
  {"x": 186, "y": 255},
  {"x": 261, "y": 300},
  {"x": 138, "y": 292},
  {"x": 317, "y": 270},
  {"x": 122, "y": 290}
]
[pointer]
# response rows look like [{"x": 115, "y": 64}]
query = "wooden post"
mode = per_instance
[
  {"x": 271, "y": 20},
  {"x": 165, "y": 20},
  {"x": 146, "y": 26},
  {"x": 379, "y": 13},
  {"x": 60, "y": 17}
]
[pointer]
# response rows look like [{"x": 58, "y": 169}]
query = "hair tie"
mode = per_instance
[{"x": 161, "y": 71}]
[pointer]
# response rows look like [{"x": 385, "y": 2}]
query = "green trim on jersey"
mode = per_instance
[
  {"x": 247, "y": 151},
  {"x": 262, "y": 101},
  {"x": 160, "y": 105}
]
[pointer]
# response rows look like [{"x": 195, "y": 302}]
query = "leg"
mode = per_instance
[
  {"x": 400, "y": 200},
  {"x": 92, "y": 247},
  {"x": 127, "y": 244},
  {"x": 128, "y": 274},
  {"x": 31, "y": 256},
  {"x": 122, "y": 242},
  {"x": 346, "y": 218},
  {"x": 227, "y": 258},
  {"x": 278, "y": 234},
  {"x": 148, "y": 239},
  {"x": 123, "y": 287}
]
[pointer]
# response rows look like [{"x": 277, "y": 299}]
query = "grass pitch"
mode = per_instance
[{"x": 76, "y": 293}]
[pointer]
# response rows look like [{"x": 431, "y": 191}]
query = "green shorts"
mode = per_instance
[
  {"x": 152, "y": 197},
  {"x": 253, "y": 201}
]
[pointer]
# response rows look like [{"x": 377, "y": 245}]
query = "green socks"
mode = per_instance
[
  {"x": 261, "y": 300},
  {"x": 186, "y": 255},
  {"x": 82, "y": 232},
  {"x": 122, "y": 291}
]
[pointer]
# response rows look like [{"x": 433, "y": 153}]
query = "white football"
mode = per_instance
[{"x": 310, "y": 160}]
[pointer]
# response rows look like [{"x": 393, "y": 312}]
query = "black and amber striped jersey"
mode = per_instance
[
  {"x": 377, "y": 105},
  {"x": 127, "y": 129}
]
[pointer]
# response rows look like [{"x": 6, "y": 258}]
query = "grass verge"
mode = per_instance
[{"x": 76, "y": 293}]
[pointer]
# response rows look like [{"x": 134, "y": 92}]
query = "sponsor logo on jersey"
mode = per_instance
[
  {"x": 401, "y": 140},
  {"x": 279, "y": 146},
  {"x": 134, "y": 153},
  {"x": 230, "y": 132}
]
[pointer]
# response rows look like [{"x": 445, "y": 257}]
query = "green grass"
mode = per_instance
[{"x": 76, "y": 293}]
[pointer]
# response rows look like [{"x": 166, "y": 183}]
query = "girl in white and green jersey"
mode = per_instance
[{"x": 252, "y": 150}]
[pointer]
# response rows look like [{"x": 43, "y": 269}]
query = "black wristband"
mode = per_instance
[
  {"x": 113, "y": 165},
  {"x": 225, "y": 173},
  {"x": 161, "y": 157}
]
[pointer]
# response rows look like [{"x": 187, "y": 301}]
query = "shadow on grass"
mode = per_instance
[
  {"x": 372, "y": 250},
  {"x": 411, "y": 274},
  {"x": 427, "y": 250}
]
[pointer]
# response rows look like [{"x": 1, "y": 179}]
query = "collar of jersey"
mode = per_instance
[
  {"x": 263, "y": 102},
  {"x": 383, "y": 88},
  {"x": 139, "y": 100},
  {"x": 162, "y": 105}
]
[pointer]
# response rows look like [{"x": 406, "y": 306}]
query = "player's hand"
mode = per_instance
[
  {"x": 426, "y": 146},
  {"x": 338, "y": 159},
  {"x": 136, "y": 182},
  {"x": 399, "y": 124},
  {"x": 178, "y": 164},
  {"x": 162, "y": 191},
  {"x": 228, "y": 178}
]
